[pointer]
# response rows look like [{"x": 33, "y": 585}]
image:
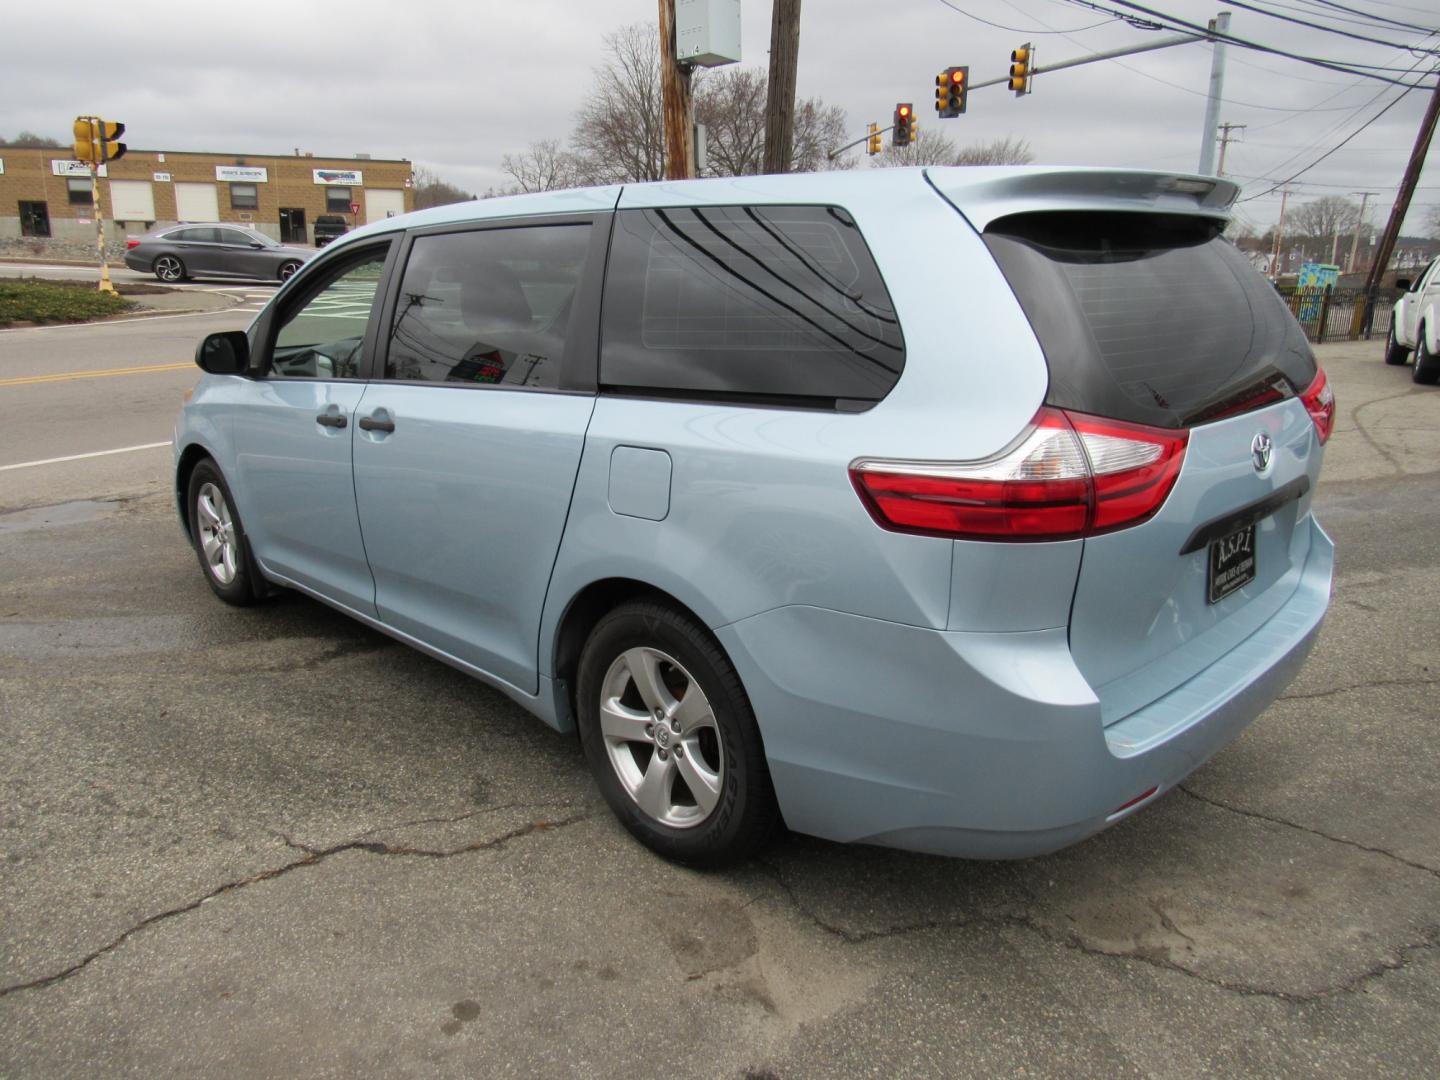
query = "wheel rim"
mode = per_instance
[
  {"x": 661, "y": 738},
  {"x": 168, "y": 268},
  {"x": 217, "y": 534},
  {"x": 287, "y": 270}
]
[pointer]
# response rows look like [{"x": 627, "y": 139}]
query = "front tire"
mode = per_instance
[
  {"x": 1395, "y": 353},
  {"x": 671, "y": 739},
  {"x": 218, "y": 537},
  {"x": 169, "y": 268},
  {"x": 288, "y": 269},
  {"x": 1427, "y": 364}
]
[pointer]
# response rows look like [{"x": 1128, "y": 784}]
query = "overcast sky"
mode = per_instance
[{"x": 453, "y": 86}]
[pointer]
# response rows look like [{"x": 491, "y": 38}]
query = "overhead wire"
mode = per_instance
[
  {"x": 1326, "y": 29},
  {"x": 1371, "y": 15},
  {"x": 1018, "y": 30}
]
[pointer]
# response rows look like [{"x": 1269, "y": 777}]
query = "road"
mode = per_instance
[{"x": 272, "y": 842}]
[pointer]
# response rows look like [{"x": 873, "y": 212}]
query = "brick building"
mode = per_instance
[{"x": 46, "y": 205}]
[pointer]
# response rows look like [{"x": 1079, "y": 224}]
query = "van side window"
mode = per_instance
[
  {"x": 321, "y": 334},
  {"x": 764, "y": 302},
  {"x": 487, "y": 307}
]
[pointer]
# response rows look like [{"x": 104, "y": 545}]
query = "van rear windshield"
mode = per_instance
[{"x": 1152, "y": 318}]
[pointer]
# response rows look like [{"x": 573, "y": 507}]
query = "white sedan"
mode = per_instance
[{"x": 1415, "y": 325}]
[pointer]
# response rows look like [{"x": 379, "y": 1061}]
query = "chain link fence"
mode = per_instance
[{"x": 1331, "y": 313}]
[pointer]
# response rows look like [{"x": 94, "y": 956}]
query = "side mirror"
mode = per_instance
[
  {"x": 256, "y": 244},
  {"x": 1402, "y": 283},
  {"x": 225, "y": 353}
]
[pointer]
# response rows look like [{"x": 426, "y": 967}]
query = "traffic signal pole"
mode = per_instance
[{"x": 1221, "y": 26}]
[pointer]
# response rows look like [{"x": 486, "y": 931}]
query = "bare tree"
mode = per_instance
[
  {"x": 1314, "y": 224},
  {"x": 430, "y": 190},
  {"x": 619, "y": 135},
  {"x": 30, "y": 139},
  {"x": 731, "y": 105},
  {"x": 1006, "y": 150},
  {"x": 545, "y": 166},
  {"x": 1432, "y": 222},
  {"x": 929, "y": 147},
  {"x": 818, "y": 128}
]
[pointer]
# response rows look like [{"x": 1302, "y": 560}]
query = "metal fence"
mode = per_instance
[{"x": 1336, "y": 314}]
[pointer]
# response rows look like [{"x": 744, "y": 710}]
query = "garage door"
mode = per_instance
[
  {"x": 196, "y": 202},
  {"x": 381, "y": 203},
  {"x": 133, "y": 200}
]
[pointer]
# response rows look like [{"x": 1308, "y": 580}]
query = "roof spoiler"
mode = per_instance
[{"x": 984, "y": 195}]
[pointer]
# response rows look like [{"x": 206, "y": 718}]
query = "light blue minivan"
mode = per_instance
[{"x": 964, "y": 510}]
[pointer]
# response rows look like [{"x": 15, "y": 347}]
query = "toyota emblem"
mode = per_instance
[{"x": 1260, "y": 452}]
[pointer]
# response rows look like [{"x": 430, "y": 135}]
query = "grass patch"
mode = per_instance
[{"x": 27, "y": 300}]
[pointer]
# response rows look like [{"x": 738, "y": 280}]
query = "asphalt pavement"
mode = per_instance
[{"x": 272, "y": 842}]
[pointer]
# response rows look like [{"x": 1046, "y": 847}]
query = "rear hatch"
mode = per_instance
[{"x": 1148, "y": 316}]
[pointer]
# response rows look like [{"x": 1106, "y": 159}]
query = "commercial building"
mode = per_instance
[{"x": 46, "y": 202}]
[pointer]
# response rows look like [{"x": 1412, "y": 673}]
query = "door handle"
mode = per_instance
[
  {"x": 369, "y": 423},
  {"x": 335, "y": 420}
]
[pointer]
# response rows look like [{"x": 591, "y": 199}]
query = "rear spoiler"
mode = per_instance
[{"x": 984, "y": 194}]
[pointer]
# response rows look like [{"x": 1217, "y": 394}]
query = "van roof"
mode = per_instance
[{"x": 982, "y": 193}]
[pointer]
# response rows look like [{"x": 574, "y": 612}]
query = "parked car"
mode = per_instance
[
  {"x": 1415, "y": 325},
  {"x": 329, "y": 227},
  {"x": 964, "y": 510},
  {"x": 180, "y": 252}
]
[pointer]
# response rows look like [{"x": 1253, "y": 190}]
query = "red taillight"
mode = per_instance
[
  {"x": 1069, "y": 476},
  {"x": 1319, "y": 402},
  {"x": 131, "y": 242}
]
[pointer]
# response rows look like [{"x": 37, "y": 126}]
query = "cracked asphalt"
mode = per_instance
[{"x": 272, "y": 842}]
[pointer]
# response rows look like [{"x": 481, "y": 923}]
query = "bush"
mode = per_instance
[{"x": 29, "y": 300}]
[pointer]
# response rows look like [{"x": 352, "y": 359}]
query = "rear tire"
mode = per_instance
[
  {"x": 677, "y": 753},
  {"x": 1395, "y": 353},
  {"x": 169, "y": 268},
  {"x": 1427, "y": 365}
]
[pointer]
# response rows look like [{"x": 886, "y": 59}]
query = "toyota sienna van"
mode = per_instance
[{"x": 963, "y": 510}]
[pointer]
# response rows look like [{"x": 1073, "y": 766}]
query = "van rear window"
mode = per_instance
[
  {"x": 1151, "y": 318},
  {"x": 772, "y": 304}
]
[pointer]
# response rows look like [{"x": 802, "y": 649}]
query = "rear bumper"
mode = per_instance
[{"x": 987, "y": 745}]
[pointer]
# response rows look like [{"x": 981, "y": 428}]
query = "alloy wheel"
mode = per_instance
[
  {"x": 167, "y": 268},
  {"x": 217, "y": 534},
  {"x": 661, "y": 737}
]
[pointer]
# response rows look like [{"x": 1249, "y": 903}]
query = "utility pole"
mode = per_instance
[
  {"x": 1407, "y": 190},
  {"x": 1359, "y": 225},
  {"x": 1220, "y": 24},
  {"x": 1225, "y": 139},
  {"x": 1279, "y": 232},
  {"x": 677, "y": 104},
  {"x": 780, "y": 91}
]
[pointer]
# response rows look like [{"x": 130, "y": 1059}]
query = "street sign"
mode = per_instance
[{"x": 354, "y": 208}]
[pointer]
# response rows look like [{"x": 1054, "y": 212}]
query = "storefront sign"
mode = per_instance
[
  {"x": 161, "y": 177},
  {"x": 244, "y": 174},
  {"x": 72, "y": 168},
  {"x": 343, "y": 177}
]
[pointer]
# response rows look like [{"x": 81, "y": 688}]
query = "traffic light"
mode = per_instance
[
  {"x": 903, "y": 133},
  {"x": 1022, "y": 60},
  {"x": 97, "y": 141},
  {"x": 951, "y": 87},
  {"x": 872, "y": 145},
  {"x": 110, "y": 132},
  {"x": 85, "y": 148}
]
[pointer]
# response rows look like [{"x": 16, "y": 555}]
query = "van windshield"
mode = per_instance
[{"x": 1151, "y": 318}]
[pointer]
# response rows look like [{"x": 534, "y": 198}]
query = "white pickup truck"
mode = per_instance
[{"x": 1415, "y": 326}]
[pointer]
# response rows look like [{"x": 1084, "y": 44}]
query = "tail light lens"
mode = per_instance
[
  {"x": 131, "y": 242},
  {"x": 1319, "y": 401},
  {"x": 1069, "y": 476}
]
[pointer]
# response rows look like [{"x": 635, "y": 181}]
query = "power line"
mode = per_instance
[
  {"x": 1019, "y": 30},
  {"x": 1396, "y": 101},
  {"x": 1345, "y": 67},
  {"x": 1321, "y": 26},
  {"x": 1371, "y": 15},
  {"x": 1367, "y": 21}
]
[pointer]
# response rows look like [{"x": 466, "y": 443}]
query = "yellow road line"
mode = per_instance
[{"x": 68, "y": 375}]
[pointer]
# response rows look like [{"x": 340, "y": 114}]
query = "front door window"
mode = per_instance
[{"x": 323, "y": 336}]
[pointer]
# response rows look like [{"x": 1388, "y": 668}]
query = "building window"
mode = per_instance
[
  {"x": 244, "y": 197},
  {"x": 81, "y": 193},
  {"x": 34, "y": 219},
  {"x": 337, "y": 200}
]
